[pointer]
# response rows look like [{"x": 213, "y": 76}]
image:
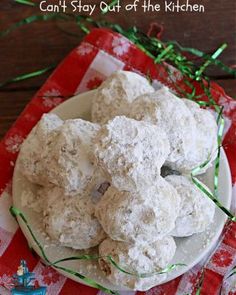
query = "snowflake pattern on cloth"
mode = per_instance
[
  {"x": 6, "y": 281},
  {"x": 94, "y": 83},
  {"x": 120, "y": 46},
  {"x": 187, "y": 283},
  {"x": 13, "y": 143},
  {"x": 228, "y": 104},
  {"x": 84, "y": 49},
  {"x": 51, "y": 98},
  {"x": 222, "y": 260},
  {"x": 49, "y": 277}
]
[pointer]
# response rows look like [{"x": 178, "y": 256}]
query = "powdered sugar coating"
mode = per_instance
[
  {"x": 131, "y": 216},
  {"x": 31, "y": 150},
  {"x": 136, "y": 258},
  {"x": 196, "y": 209},
  {"x": 131, "y": 152},
  {"x": 206, "y": 134},
  {"x": 170, "y": 113},
  {"x": 33, "y": 200},
  {"x": 71, "y": 221},
  {"x": 114, "y": 96},
  {"x": 67, "y": 156}
]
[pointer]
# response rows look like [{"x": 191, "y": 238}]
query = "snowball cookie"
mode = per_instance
[
  {"x": 30, "y": 159},
  {"x": 71, "y": 221},
  {"x": 67, "y": 156},
  {"x": 136, "y": 258},
  {"x": 206, "y": 134},
  {"x": 114, "y": 96},
  {"x": 131, "y": 152},
  {"x": 132, "y": 216},
  {"x": 196, "y": 209},
  {"x": 170, "y": 113}
]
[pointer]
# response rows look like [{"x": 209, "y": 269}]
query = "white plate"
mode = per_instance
[{"x": 189, "y": 250}]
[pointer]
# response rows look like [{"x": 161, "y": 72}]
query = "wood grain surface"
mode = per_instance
[{"x": 41, "y": 44}]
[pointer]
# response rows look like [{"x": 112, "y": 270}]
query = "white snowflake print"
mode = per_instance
[
  {"x": 6, "y": 281},
  {"x": 47, "y": 276},
  {"x": 222, "y": 260},
  {"x": 120, "y": 46},
  {"x": 51, "y": 98},
  {"x": 228, "y": 104},
  {"x": 174, "y": 75},
  {"x": 13, "y": 143},
  {"x": 84, "y": 49}
]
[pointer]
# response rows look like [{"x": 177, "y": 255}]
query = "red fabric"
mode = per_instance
[
  {"x": 212, "y": 282},
  {"x": 72, "y": 287},
  {"x": 23, "y": 252}
]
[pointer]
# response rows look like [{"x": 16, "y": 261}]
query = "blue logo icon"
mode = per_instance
[{"x": 23, "y": 280}]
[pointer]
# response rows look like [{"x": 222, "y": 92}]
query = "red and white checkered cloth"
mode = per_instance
[{"x": 101, "y": 53}]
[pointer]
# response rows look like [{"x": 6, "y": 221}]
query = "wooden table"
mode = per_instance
[{"x": 41, "y": 44}]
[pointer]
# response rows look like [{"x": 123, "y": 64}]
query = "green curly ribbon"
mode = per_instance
[
  {"x": 221, "y": 124},
  {"x": 80, "y": 257},
  {"x": 25, "y": 2},
  {"x": 164, "y": 53},
  {"x": 203, "y": 55},
  {"x": 200, "y": 283},
  {"x": 145, "y": 275},
  {"x": 232, "y": 272},
  {"x": 17, "y": 213},
  {"x": 31, "y": 19},
  {"x": 214, "y": 56},
  {"x": 211, "y": 195},
  {"x": 168, "y": 269},
  {"x": 198, "y": 169},
  {"x": 27, "y": 76},
  {"x": 171, "y": 52},
  {"x": 154, "y": 48},
  {"x": 195, "y": 171}
]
